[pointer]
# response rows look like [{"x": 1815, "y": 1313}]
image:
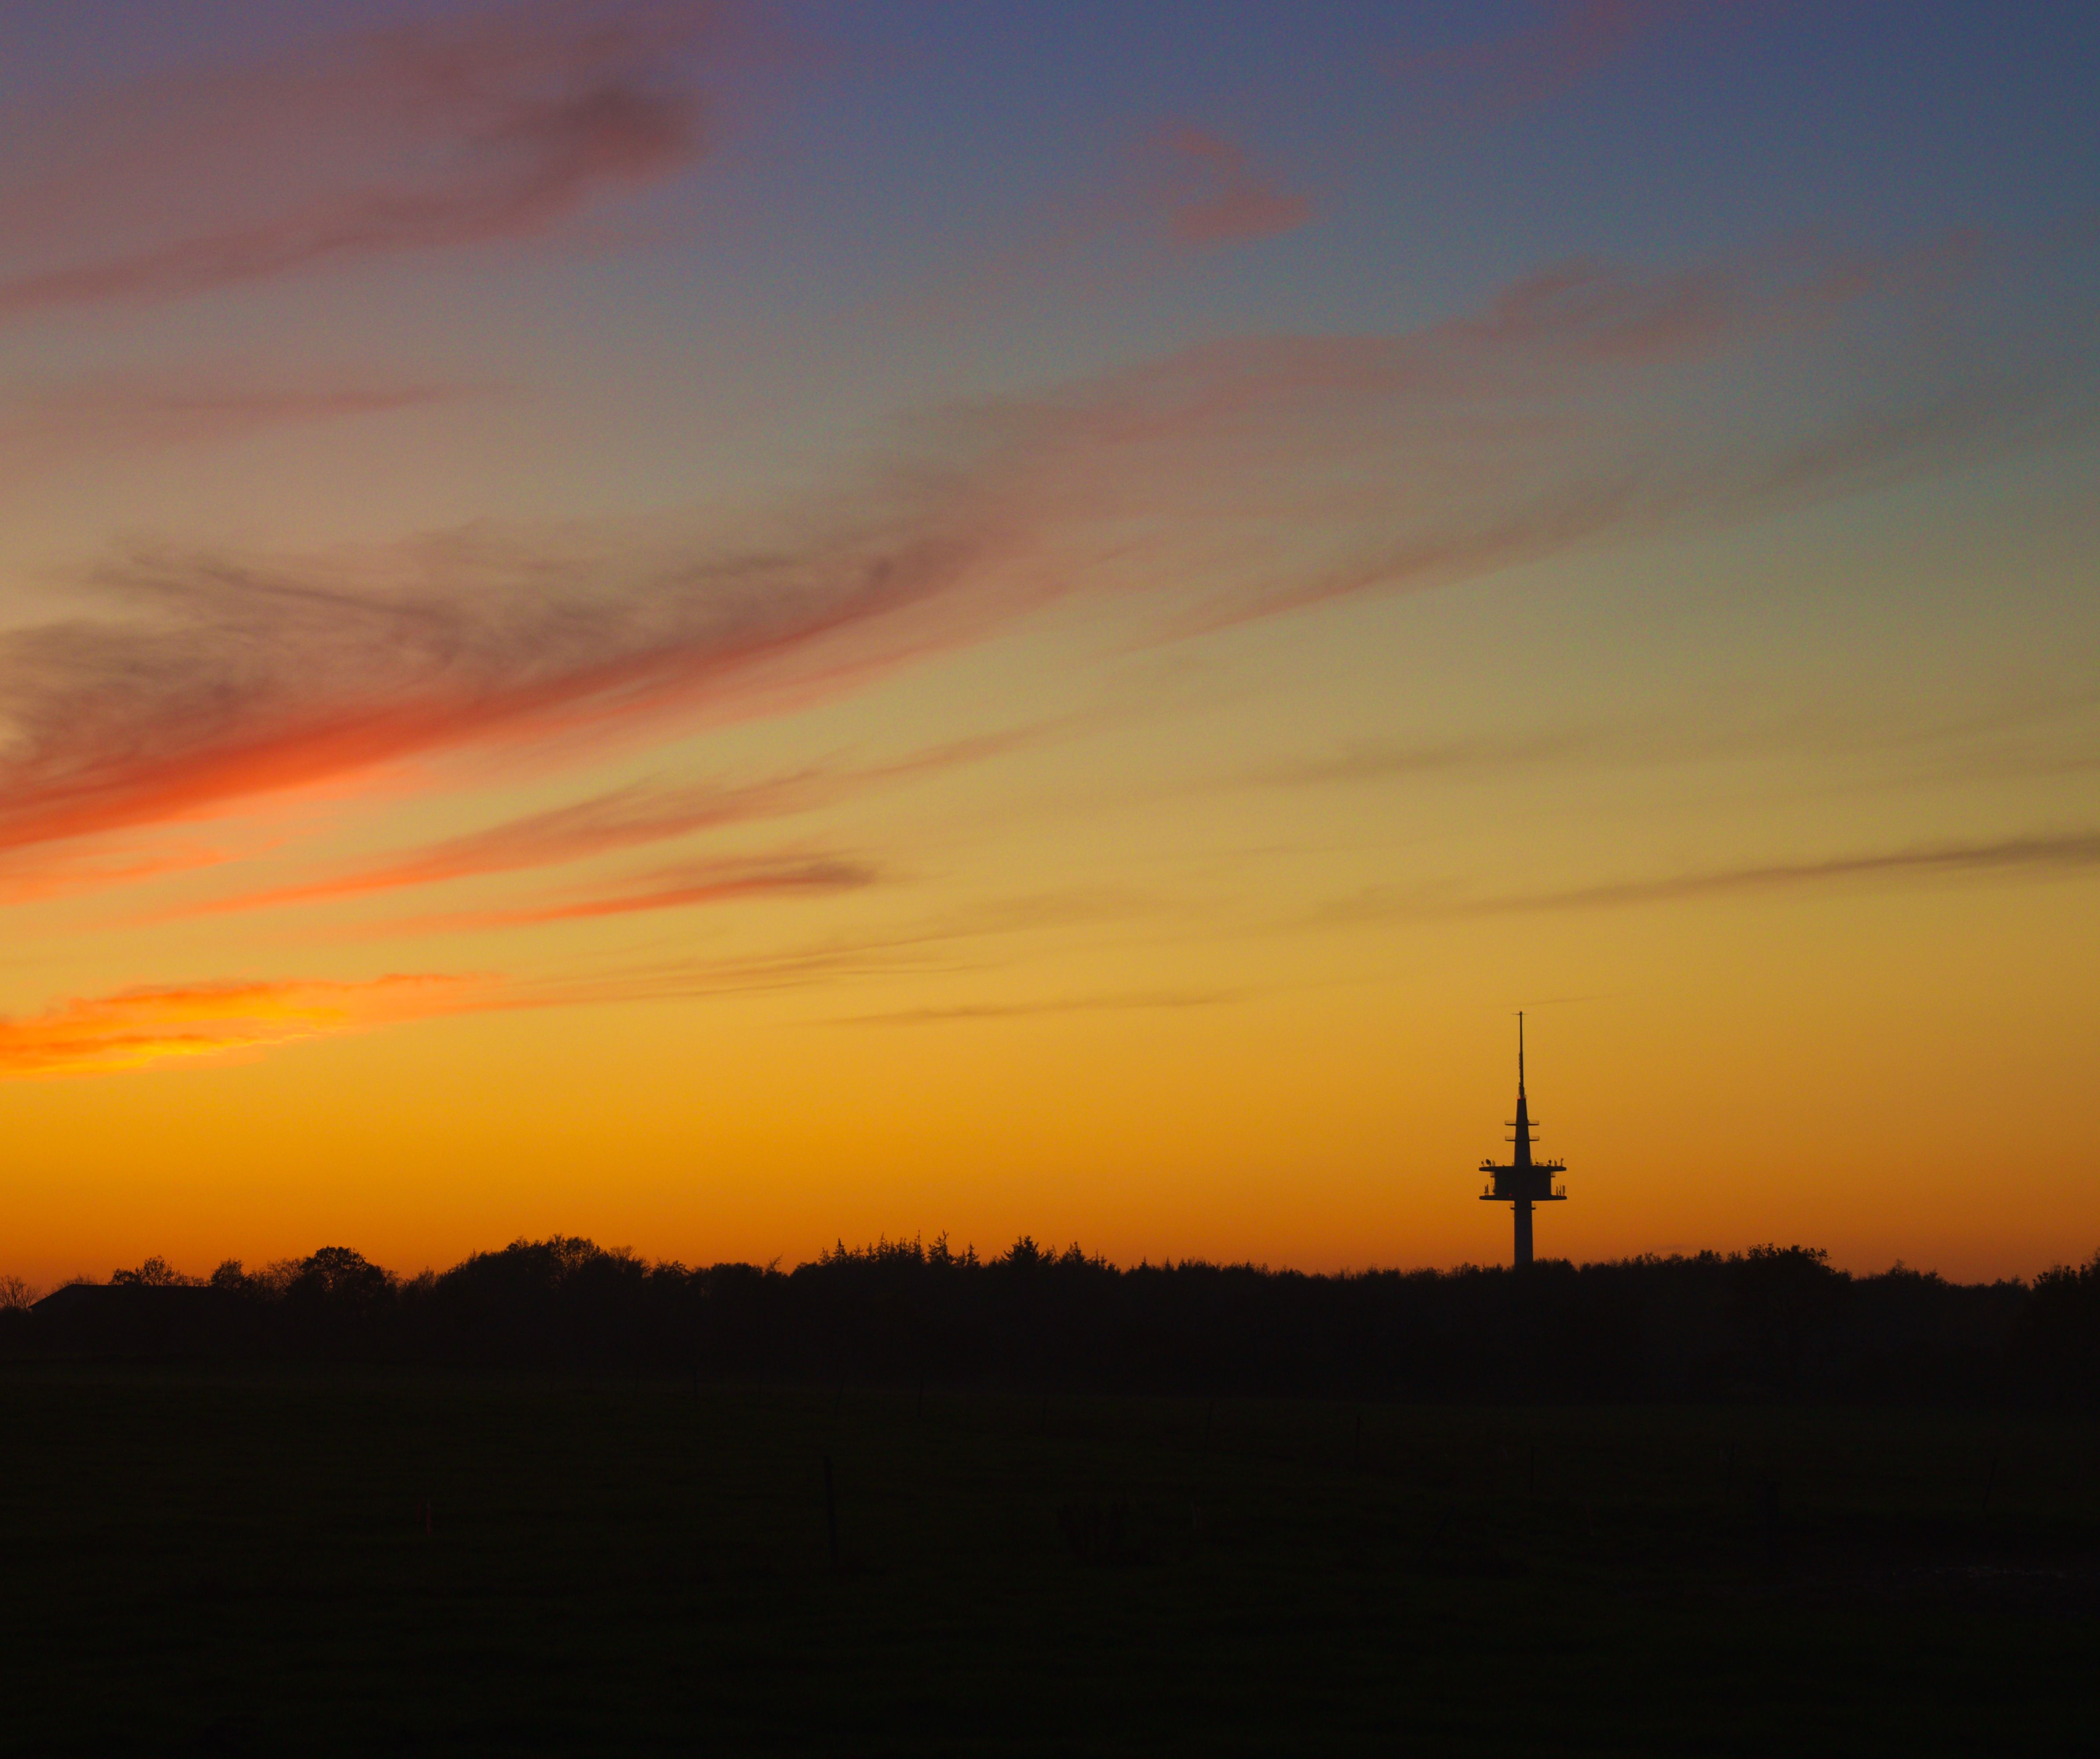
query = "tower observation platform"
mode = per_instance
[{"x": 1525, "y": 1180}]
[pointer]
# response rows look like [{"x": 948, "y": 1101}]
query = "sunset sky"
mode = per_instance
[{"x": 723, "y": 627}]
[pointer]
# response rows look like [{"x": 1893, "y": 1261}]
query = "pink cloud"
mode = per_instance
[
  {"x": 1495, "y": 76},
  {"x": 1218, "y": 199},
  {"x": 224, "y": 679},
  {"x": 1579, "y": 406},
  {"x": 1538, "y": 355},
  {"x": 423, "y": 137},
  {"x": 102, "y": 417}
]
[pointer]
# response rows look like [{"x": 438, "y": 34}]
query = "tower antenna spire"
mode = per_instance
[{"x": 1525, "y": 1180}]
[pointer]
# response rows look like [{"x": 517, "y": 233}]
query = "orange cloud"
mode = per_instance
[
  {"x": 134, "y": 1026},
  {"x": 28, "y": 878}
]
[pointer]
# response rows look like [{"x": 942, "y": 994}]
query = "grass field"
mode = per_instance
[{"x": 219, "y": 1561}]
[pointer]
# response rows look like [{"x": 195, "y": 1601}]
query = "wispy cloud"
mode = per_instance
[
  {"x": 620, "y": 818},
  {"x": 134, "y": 1026},
  {"x": 153, "y": 1024},
  {"x": 993, "y": 1010},
  {"x": 2075, "y": 852},
  {"x": 226, "y": 679},
  {"x": 1577, "y": 407},
  {"x": 1522, "y": 366},
  {"x": 28, "y": 877},
  {"x": 950, "y": 943},
  {"x": 681, "y": 886},
  {"x": 419, "y": 138},
  {"x": 1580, "y": 406},
  {"x": 1568, "y": 40},
  {"x": 2026, "y": 734},
  {"x": 45, "y": 427},
  {"x": 2070, "y": 852},
  {"x": 1215, "y": 197},
  {"x": 1385, "y": 760}
]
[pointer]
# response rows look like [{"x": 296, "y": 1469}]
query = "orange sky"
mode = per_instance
[{"x": 555, "y": 677}]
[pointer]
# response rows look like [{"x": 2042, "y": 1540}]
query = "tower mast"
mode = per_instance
[{"x": 1524, "y": 1181}]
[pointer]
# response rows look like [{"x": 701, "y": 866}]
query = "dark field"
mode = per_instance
[{"x": 222, "y": 1561}]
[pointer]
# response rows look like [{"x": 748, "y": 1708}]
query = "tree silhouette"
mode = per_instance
[{"x": 1772, "y": 1321}]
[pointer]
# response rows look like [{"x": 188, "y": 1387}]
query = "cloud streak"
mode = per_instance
[
  {"x": 1219, "y": 198},
  {"x": 137, "y": 1027},
  {"x": 102, "y": 418},
  {"x": 1579, "y": 406},
  {"x": 990, "y": 1010},
  {"x": 421, "y": 138},
  {"x": 949, "y": 944},
  {"x": 224, "y": 680},
  {"x": 2024, "y": 736},
  {"x": 157, "y": 1023},
  {"x": 1494, "y": 78},
  {"x": 620, "y": 818},
  {"x": 2066, "y": 853},
  {"x": 682, "y": 886},
  {"x": 2074, "y": 852}
]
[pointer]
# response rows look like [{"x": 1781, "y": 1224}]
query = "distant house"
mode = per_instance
[
  {"x": 130, "y": 1320},
  {"x": 62, "y": 1305}
]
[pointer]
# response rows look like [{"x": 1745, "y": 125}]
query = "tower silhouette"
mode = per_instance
[{"x": 1525, "y": 1180}]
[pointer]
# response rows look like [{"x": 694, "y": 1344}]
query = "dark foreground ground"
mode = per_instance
[{"x": 219, "y": 1561}]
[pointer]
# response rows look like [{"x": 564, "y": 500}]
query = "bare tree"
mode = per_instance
[{"x": 155, "y": 1273}]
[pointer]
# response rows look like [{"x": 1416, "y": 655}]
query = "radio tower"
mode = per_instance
[{"x": 1525, "y": 1180}]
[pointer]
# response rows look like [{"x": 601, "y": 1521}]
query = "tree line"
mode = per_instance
[{"x": 1777, "y": 1323}]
